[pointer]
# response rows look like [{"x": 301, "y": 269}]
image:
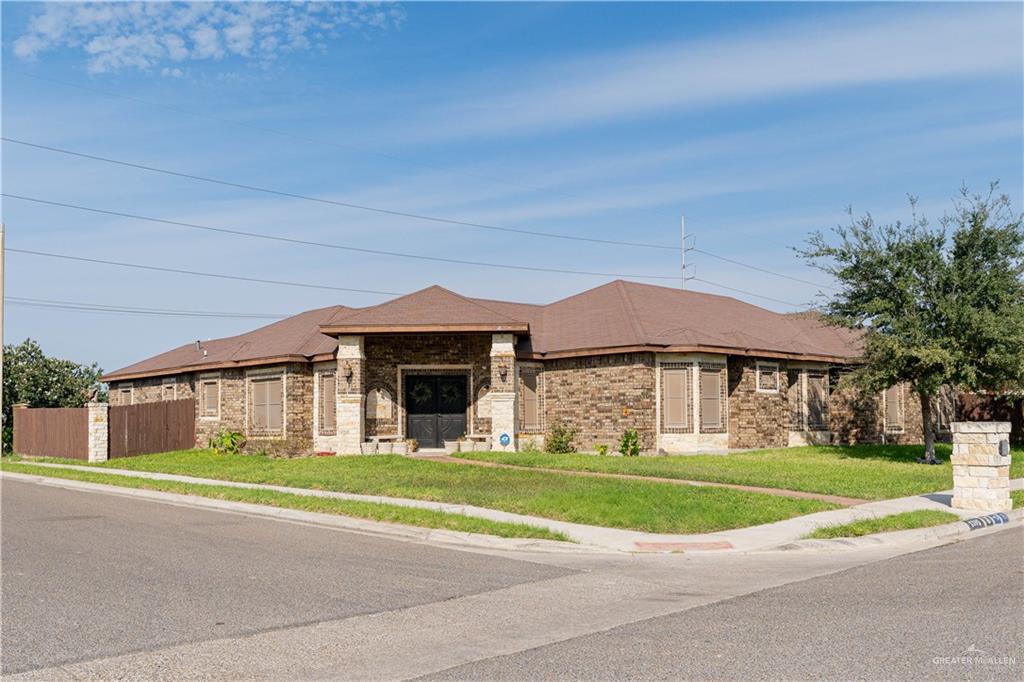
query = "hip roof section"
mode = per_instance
[{"x": 613, "y": 317}]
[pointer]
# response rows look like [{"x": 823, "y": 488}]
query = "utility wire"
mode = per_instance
[
  {"x": 760, "y": 269},
  {"x": 201, "y": 274},
  {"x": 293, "y": 136},
  {"x": 111, "y": 308},
  {"x": 309, "y": 286},
  {"x": 343, "y": 204},
  {"x": 290, "y": 240},
  {"x": 748, "y": 293}
]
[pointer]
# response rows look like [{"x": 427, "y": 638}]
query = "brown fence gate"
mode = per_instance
[
  {"x": 52, "y": 432},
  {"x": 152, "y": 427}
]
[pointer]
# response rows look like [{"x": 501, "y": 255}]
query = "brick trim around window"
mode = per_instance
[
  {"x": 708, "y": 371},
  {"x": 676, "y": 396}
]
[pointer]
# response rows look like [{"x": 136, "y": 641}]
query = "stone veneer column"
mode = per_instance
[
  {"x": 351, "y": 393},
  {"x": 503, "y": 391},
  {"x": 99, "y": 431},
  {"x": 981, "y": 466}
]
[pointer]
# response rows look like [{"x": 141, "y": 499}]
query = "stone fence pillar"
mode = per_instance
[
  {"x": 981, "y": 466},
  {"x": 99, "y": 431}
]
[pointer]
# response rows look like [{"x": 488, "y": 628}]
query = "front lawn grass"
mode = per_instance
[
  {"x": 1017, "y": 497},
  {"x": 364, "y": 510},
  {"x": 639, "y": 505},
  {"x": 922, "y": 518},
  {"x": 867, "y": 472}
]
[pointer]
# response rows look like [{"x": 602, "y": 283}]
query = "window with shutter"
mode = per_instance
[
  {"x": 168, "y": 390},
  {"x": 674, "y": 398},
  {"x": 267, "y": 406},
  {"x": 126, "y": 396},
  {"x": 894, "y": 408},
  {"x": 817, "y": 402},
  {"x": 797, "y": 422},
  {"x": 531, "y": 413},
  {"x": 211, "y": 398},
  {"x": 328, "y": 403},
  {"x": 711, "y": 402}
]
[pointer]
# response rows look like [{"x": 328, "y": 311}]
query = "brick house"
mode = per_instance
[{"x": 689, "y": 371}]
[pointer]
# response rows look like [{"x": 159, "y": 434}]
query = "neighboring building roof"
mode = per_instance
[{"x": 614, "y": 317}]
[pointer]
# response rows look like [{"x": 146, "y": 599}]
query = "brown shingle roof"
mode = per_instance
[
  {"x": 617, "y": 315},
  {"x": 430, "y": 309},
  {"x": 294, "y": 337}
]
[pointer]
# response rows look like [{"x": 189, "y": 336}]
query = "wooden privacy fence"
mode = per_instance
[
  {"x": 52, "y": 432},
  {"x": 152, "y": 427}
]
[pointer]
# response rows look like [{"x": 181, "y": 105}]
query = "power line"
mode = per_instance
[
  {"x": 201, "y": 274},
  {"x": 283, "y": 133},
  {"x": 290, "y": 240},
  {"x": 760, "y": 269},
  {"x": 343, "y": 204},
  {"x": 309, "y": 286},
  {"x": 111, "y": 308},
  {"x": 748, "y": 293}
]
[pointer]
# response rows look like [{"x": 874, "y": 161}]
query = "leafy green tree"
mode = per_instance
[
  {"x": 937, "y": 305},
  {"x": 40, "y": 381}
]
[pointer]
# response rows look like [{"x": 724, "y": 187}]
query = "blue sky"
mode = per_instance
[{"x": 762, "y": 122}]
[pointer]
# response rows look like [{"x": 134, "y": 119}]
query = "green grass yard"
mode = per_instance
[
  {"x": 364, "y": 510},
  {"x": 638, "y": 505},
  {"x": 922, "y": 518},
  {"x": 868, "y": 472}
]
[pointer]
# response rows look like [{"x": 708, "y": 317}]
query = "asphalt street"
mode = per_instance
[
  {"x": 88, "y": 575},
  {"x": 954, "y": 612}
]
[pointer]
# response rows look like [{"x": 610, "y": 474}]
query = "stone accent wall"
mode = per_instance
[
  {"x": 981, "y": 472},
  {"x": 384, "y": 355},
  {"x": 757, "y": 419},
  {"x": 601, "y": 396}
]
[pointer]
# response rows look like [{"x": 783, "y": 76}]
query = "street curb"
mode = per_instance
[
  {"x": 394, "y": 531},
  {"x": 960, "y": 527}
]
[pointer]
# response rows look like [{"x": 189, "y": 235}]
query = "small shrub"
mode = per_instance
[
  {"x": 227, "y": 442},
  {"x": 602, "y": 448},
  {"x": 560, "y": 436},
  {"x": 629, "y": 444},
  {"x": 288, "y": 448},
  {"x": 412, "y": 444}
]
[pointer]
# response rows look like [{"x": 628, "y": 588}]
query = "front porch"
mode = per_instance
[{"x": 397, "y": 393}]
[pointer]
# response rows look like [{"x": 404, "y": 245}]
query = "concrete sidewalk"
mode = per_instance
[{"x": 766, "y": 536}]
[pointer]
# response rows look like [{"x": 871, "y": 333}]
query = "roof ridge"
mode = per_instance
[
  {"x": 634, "y": 321},
  {"x": 476, "y": 303}
]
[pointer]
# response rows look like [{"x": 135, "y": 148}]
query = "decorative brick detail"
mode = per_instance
[
  {"x": 601, "y": 396},
  {"x": 757, "y": 418},
  {"x": 857, "y": 417},
  {"x": 981, "y": 472}
]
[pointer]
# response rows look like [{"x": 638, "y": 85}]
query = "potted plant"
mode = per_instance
[
  {"x": 368, "y": 448},
  {"x": 385, "y": 447},
  {"x": 412, "y": 444}
]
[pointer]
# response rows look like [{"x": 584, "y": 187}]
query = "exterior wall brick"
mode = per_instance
[
  {"x": 601, "y": 396},
  {"x": 857, "y": 417},
  {"x": 756, "y": 419}
]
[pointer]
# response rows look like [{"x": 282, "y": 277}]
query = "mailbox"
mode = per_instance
[{"x": 1004, "y": 447}]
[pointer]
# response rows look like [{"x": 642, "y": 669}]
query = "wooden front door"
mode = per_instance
[{"x": 435, "y": 407}]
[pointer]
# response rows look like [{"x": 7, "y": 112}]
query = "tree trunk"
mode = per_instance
[{"x": 929, "y": 429}]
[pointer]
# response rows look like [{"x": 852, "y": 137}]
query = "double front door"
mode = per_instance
[{"x": 435, "y": 407}]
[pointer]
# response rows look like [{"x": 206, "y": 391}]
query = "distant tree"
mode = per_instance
[
  {"x": 937, "y": 305},
  {"x": 40, "y": 381}
]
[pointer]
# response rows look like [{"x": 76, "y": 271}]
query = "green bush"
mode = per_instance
[
  {"x": 227, "y": 442},
  {"x": 560, "y": 436},
  {"x": 602, "y": 448},
  {"x": 629, "y": 444}
]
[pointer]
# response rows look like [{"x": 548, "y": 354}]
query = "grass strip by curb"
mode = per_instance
[
  {"x": 374, "y": 511},
  {"x": 1017, "y": 497},
  {"x": 648, "y": 506},
  {"x": 921, "y": 518}
]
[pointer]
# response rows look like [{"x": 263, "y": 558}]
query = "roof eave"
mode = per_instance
[
  {"x": 458, "y": 328},
  {"x": 209, "y": 366}
]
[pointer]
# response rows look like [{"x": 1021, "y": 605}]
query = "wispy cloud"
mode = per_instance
[
  {"x": 163, "y": 35},
  {"x": 864, "y": 48}
]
